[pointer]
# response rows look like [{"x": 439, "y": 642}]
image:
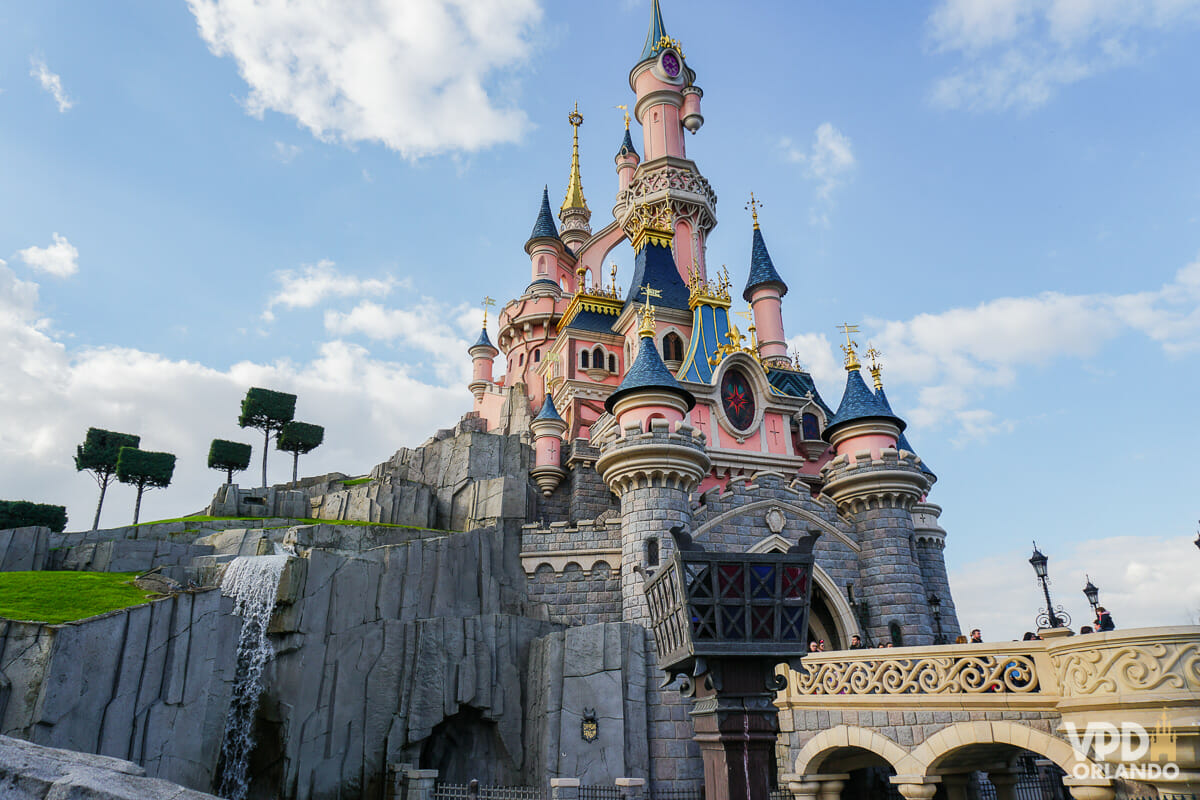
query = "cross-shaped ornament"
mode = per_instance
[{"x": 753, "y": 206}]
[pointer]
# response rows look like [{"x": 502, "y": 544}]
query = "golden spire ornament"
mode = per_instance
[
  {"x": 648, "y": 328},
  {"x": 753, "y": 206},
  {"x": 849, "y": 347},
  {"x": 876, "y": 367},
  {"x": 487, "y": 301},
  {"x": 624, "y": 108},
  {"x": 575, "y": 198}
]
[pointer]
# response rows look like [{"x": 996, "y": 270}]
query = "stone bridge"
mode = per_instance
[{"x": 936, "y": 714}]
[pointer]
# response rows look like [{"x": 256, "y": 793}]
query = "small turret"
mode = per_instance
[
  {"x": 544, "y": 244},
  {"x": 574, "y": 213},
  {"x": 649, "y": 390},
  {"x": 861, "y": 421},
  {"x": 548, "y": 429},
  {"x": 627, "y": 157},
  {"x": 482, "y": 354},
  {"x": 764, "y": 292},
  {"x": 668, "y": 99}
]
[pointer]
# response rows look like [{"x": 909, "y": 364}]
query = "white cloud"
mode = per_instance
[
  {"x": 415, "y": 77},
  {"x": 955, "y": 356},
  {"x": 313, "y": 284},
  {"x": 286, "y": 152},
  {"x": 1143, "y": 580},
  {"x": 428, "y": 326},
  {"x": 51, "y": 83},
  {"x": 59, "y": 259},
  {"x": 1016, "y": 54},
  {"x": 828, "y": 163},
  {"x": 369, "y": 407}
]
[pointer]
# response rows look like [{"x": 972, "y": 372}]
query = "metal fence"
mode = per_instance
[
  {"x": 599, "y": 792},
  {"x": 1036, "y": 780},
  {"x": 677, "y": 794},
  {"x": 465, "y": 791}
]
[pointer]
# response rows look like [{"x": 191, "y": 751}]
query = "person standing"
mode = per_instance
[{"x": 1104, "y": 620}]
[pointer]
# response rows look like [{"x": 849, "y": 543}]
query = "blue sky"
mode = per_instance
[{"x": 1005, "y": 195}]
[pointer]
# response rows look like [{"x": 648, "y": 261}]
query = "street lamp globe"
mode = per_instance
[
  {"x": 1038, "y": 560},
  {"x": 1091, "y": 592}
]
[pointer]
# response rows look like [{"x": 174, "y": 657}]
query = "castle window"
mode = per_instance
[
  {"x": 672, "y": 348},
  {"x": 895, "y": 634},
  {"x": 811, "y": 428},
  {"x": 612, "y": 363},
  {"x": 652, "y": 552},
  {"x": 537, "y": 355},
  {"x": 598, "y": 357},
  {"x": 521, "y": 360},
  {"x": 585, "y": 359}
]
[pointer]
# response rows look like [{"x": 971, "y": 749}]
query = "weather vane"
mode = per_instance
[
  {"x": 876, "y": 367},
  {"x": 848, "y": 347},
  {"x": 753, "y": 206},
  {"x": 487, "y": 301},
  {"x": 624, "y": 108},
  {"x": 647, "y": 328}
]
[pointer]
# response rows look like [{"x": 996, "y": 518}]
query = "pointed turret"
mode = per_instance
[
  {"x": 668, "y": 100},
  {"x": 649, "y": 390},
  {"x": 654, "y": 36},
  {"x": 627, "y": 144},
  {"x": 627, "y": 157},
  {"x": 574, "y": 212},
  {"x": 654, "y": 263},
  {"x": 543, "y": 226},
  {"x": 764, "y": 292},
  {"x": 547, "y": 429},
  {"x": 861, "y": 415}
]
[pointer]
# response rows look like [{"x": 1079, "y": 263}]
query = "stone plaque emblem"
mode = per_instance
[
  {"x": 775, "y": 520},
  {"x": 590, "y": 727}
]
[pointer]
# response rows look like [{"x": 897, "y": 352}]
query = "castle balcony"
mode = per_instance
[{"x": 1115, "y": 712}]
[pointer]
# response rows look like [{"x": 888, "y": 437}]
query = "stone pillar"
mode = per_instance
[
  {"x": 632, "y": 788},
  {"x": 418, "y": 784},
  {"x": 801, "y": 787},
  {"x": 1005, "y": 783},
  {"x": 1092, "y": 792},
  {"x": 911, "y": 790},
  {"x": 931, "y": 544},
  {"x": 831, "y": 786},
  {"x": 564, "y": 789},
  {"x": 877, "y": 497},
  {"x": 394, "y": 788},
  {"x": 956, "y": 785}
]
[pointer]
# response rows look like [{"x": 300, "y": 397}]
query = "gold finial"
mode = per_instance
[
  {"x": 647, "y": 328},
  {"x": 796, "y": 362},
  {"x": 614, "y": 279},
  {"x": 748, "y": 315},
  {"x": 876, "y": 367},
  {"x": 625, "y": 108},
  {"x": 848, "y": 348},
  {"x": 487, "y": 301},
  {"x": 549, "y": 372},
  {"x": 580, "y": 274},
  {"x": 575, "y": 198},
  {"x": 753, "y": 206},
  {"x": 651, "y": 222}
]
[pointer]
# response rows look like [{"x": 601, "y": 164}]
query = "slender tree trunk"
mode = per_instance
[
  {"x": 228, "y": 476},
  {"x": 137, "y": 508},
  {"x": 100, "y": 505},
  {"x": 266, "y": 446},
  {"x": 295, "y": 466}
]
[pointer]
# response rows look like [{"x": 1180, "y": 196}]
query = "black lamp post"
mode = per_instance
[
  {"x": 935, "y": 605},
  {"x": 1092, "y": 593},
  {"x": 863, "y": 612},
  {"x": 723, "y": 621},
  {"x": 1050, "y": 617}
]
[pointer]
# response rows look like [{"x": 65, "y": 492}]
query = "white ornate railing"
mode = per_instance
[{"x": 954, "y": 673}]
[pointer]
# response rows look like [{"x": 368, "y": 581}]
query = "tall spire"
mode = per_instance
[
  {"x": 543, "y": 226},
  {"x": 574, "y": 197},
  {"x": 657, "y": 32},
  {"x": 762, "y": 268}
]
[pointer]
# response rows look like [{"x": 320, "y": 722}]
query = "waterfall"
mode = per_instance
[{"x": 252, "y": 582}]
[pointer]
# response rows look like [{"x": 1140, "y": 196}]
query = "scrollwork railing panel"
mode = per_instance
[
  {"x": 1141, "y": 667},
  {"x": 951, "y": 674}
]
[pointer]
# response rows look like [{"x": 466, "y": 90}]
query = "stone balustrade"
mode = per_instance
[{"x": 932, "y": 712}]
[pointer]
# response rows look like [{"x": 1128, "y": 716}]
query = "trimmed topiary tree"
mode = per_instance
[
  {"x": 145, "y": 470},
  {"x": 267, "y": 411},
  {"x": 229, "y": 456},
  {"x": 297, "y": 438},
  {"x": 24, "y": 514},
  {"x": 98, "y": 455}
]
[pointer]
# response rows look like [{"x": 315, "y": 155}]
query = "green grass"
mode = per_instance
[
  {"x": 357, "y": 481},
  {"x": 56, "y": 597}
]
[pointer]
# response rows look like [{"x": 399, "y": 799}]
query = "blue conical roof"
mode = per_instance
[
  {"x": 627, "y": 146},
  {"x": 544, "y": 227},
  {"x": 656, "y": 32},
  {"x": 548, "y": 410},
  {"x": 762, "y": 269},
  {"x": 859, "y": 402},
  {"x": 483, "y": 341},
  {"x": 648, "y": 371},
  {"x": 655, "y": 264}
]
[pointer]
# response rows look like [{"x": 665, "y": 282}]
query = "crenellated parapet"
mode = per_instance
[
  {"x": 636, "y": 458},
  {"x": 860, "y": 482},
  {"x": 926, "y": 527}
]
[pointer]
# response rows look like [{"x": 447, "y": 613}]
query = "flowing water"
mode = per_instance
[{"x": 252, "y": 582}]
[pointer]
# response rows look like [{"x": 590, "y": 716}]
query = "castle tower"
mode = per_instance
[
  {"x": 482, "y": 354},
  {"x": 548, "y": 429},
  {"x": 764, "y": 292},
  {"x": 627, "y": 159},
  {"x": 652, "y": 475},
  {"x": 875, "y": 491},
  {"x": 544, "y": 246},
  {"x": 574, "y": 213},
  {"x": 668, "y": 101}
]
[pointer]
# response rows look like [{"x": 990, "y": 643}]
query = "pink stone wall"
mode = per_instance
[
  {"x": 546, "y": 451},
  {"x": 768, "y": 321},
  {"x": 872, "y": 442}
]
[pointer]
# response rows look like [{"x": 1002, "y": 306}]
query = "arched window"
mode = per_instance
[
  {"x": 896, "y": 635},
  {"x": 537, "y": 356},
  {"x": 585, "y": 359},
  {"x": 672, "y": 348},
  {"x": 652, "y": 552},
  {"x": 541, "y": 265},
  {"x": 612, "y": 363},
  {"x": 810, "y": 427},
  {"x": 521, "y": 360},
  {"x": 598, "y": 357}
]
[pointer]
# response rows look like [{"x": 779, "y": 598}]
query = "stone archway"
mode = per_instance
[
  {"x": 848, "y": 746},
  {"x": 980, "y": 739}
]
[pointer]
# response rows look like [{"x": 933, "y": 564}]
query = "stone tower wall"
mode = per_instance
[{"x": 933, "y": 570}]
